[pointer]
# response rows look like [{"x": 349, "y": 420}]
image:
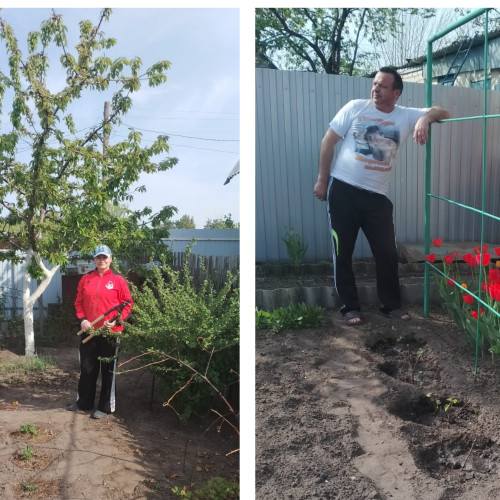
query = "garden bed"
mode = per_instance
[
  {"x": 361, "y": 412},
  {"x": 141, "y": 451}
]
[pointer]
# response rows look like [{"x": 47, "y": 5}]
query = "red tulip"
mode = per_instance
[
  {"x": 468, "y": 299},
  {"x": 467, "y": 258},
  {"x": 494, "y": 275},
  {"x": 486, "y": 259},
  {"x": 450, "y": 282},
  {"x": 494, "y": 291},
  {"x": 497, "y": 250},
  {"x": 477, "y": 250},
  {"x": 448, "y": 259},
  {"x": 474, "y": 313},
  {"x": 430, "y": 258},
  {"x": 437, "y": 242}
]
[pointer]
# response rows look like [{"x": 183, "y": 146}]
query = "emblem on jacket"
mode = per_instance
[{"x": 109, "y": 285}]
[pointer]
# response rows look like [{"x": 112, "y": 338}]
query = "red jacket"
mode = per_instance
[{"x": 96, "y": 294}]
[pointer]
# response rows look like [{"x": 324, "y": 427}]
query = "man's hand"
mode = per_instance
[
  {"x": 421, "y": 133},
  {"x": 325, "y": 159},
  {"x": 433, "y": 115},
  {"x": 320, "y": 189},
  {"x": 85, "y": 325}
]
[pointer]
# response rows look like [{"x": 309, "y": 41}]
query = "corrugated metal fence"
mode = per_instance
[{"x": 293, "y": 111}]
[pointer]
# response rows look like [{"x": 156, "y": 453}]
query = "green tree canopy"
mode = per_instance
[
  {"x": 324, "y": 40},
  {"x": 226, "y": 222},
  {"x": 185, "y": 222},
  {"x": 55, "y": 199}
]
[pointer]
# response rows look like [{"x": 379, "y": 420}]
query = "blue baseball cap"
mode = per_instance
[{"x": 102, "y": 250}]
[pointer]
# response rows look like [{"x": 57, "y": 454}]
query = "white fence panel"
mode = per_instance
[{"x": 11, "y": 289}]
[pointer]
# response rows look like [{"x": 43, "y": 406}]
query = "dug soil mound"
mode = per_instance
[
  {"x": 140, "y": 452},
  {"x": 384, "y": 410}
]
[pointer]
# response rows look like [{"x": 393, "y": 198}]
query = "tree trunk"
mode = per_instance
[
  {"x": 29, "y": 299},
  {"x": 29, "y": 332}
]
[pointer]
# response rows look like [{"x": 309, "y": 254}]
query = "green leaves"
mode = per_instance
[
  {"x": 196, "y": 324},
  {"x": 294, "y": 316},
  {"x": 65, "y": 188}
]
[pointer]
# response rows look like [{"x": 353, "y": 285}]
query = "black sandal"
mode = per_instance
[
  {"x": 395, "y": 314},
  {"x": 352, "y": 315}
]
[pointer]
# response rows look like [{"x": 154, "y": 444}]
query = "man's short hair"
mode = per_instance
[{"x": 398, "y": 81}]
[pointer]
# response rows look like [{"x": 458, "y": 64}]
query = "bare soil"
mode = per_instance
[
  {"x": 357, "y": 413},
  {"x": 140, "y": 452}
]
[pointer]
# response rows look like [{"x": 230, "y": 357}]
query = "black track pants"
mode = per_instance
[
  {"x": 352, "y": 209},
  {"x": 90, "y": 366}
]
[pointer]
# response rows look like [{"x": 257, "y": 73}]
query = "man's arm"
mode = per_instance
[
  {"x": 433, "y": 115},
  {"x": 325, "y": 159}
]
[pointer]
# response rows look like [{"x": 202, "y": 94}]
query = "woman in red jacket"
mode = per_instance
[{"x": 99, "y": 291}]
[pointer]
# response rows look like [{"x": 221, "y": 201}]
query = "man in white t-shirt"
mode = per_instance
[{"x": 356, "y": 185}]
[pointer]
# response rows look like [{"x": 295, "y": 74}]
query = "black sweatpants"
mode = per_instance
[
  {"x": 90, "y": 365},
  {"x": 351, "y": 209}
]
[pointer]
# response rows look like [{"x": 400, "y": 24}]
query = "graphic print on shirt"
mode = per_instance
[
  {"x": 376, "y": 142},
  {"x": 109, "y": 285}
]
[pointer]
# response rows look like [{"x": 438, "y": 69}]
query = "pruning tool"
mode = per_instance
[{"x": 119, "y": 308}]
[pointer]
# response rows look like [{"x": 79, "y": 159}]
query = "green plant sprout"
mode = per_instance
[
  {"x": 27, "y": 453},
  {"x": 29, "y": 429},
  {"x": 30, "y": 488},
  {"x": 415, "y": 359},
  {"x": 449, "y": 406},
  {"x": 295, "y": 247},
  {"x": 436, "y": 402}
]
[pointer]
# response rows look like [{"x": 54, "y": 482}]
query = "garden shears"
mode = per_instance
[{"x": 119, "y": 308}]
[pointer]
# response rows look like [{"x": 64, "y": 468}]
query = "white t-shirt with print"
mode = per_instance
[{"x": 371, "y": 140}]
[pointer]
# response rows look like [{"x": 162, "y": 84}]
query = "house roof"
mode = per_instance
[{"x": 451, "y": 49}]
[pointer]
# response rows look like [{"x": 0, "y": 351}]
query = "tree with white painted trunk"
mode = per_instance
[{"x": 57, "y": 181}]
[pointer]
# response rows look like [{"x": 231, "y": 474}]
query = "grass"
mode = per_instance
[{"x": 24, "y": 368}]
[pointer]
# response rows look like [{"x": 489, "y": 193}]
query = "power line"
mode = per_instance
[{"x": 183, "y": 136}]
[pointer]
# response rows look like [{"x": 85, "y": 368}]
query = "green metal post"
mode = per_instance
[
  {"x": 483, "y": 183},
  {"x": 435, "y": 37},
  {"x": 428, "y": 193},
  {"x": 428, "y": 103}
]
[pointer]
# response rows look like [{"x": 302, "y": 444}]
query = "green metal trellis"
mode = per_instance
[{"x": 428, "y": 195}]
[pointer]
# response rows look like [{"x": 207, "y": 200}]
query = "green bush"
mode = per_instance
[
  {"x": 197, "y": 327},
  {"x": 293, "y": 316}
]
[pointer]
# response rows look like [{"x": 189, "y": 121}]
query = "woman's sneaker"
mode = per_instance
[{"x": 99, "y": 414}]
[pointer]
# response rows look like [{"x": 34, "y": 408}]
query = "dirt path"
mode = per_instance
[
  {"x": 140, "y": 452},
  {"x": 343, "y": 413}
]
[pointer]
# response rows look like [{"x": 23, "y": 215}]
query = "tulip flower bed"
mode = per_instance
[{"x": 471, "y": 292}]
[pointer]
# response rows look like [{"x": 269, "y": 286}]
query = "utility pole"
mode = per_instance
[
  {"x": 105, "y": 137},
  {"x": 107, "y": 112}
]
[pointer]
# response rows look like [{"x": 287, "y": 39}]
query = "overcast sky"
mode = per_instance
[{"x": 198, "y": 107}]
